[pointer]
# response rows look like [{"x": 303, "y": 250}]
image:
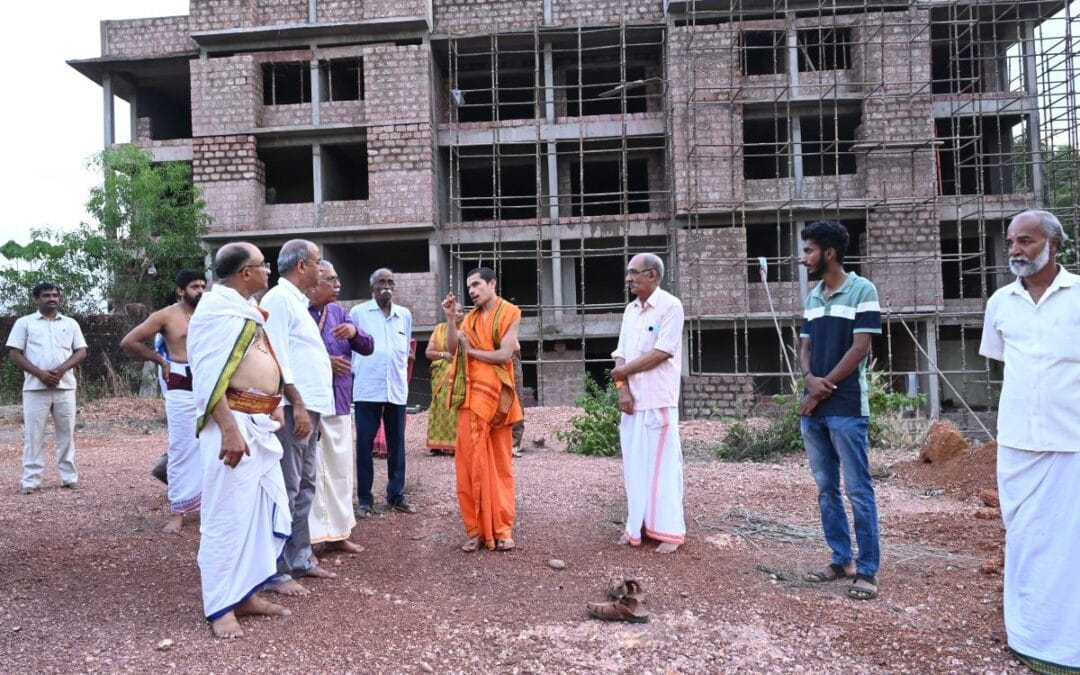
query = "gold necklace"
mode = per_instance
[
  {"x": 187, "y": 317},
  {"x": 260, "y": 343}
]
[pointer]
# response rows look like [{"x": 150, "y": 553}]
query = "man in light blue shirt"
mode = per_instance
[{"x": 380, "y": 391}]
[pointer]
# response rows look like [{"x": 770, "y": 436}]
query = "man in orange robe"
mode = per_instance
[{"x": 483, "y": 393}]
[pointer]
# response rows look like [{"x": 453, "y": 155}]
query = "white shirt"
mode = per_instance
[
  {"x": 46, "y": 344},
  {"x": 1040, "y": 345},
  {"x": 655, "y": 324},
  {"x": 300, "y": 351},
  {"x": 383, "y": 375}
]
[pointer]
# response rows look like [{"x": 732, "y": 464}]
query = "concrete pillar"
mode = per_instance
[
  {"x": 792, "y": 51},
  {"x": 1031, "y": 87},
  {"x": 929, "y": 366},
  {"x": 554, "y": 233},
  {"x": 317, "y": 182},
  {"x": 316, "y": 92},
  {"x": 313, "y": 11},
  {"x": 109, "y": 107}
]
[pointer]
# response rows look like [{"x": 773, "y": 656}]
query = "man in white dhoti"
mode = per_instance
[
  {"x": 1032, "y": 326},
  {"x": 184, "y": 467},
  {"x": 647, "y": 373},
  {"x": 331, "y": 519},
  {"x": 245, "y": 509}
]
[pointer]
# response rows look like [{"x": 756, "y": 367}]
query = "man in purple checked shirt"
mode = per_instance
[{"x": 331, "y": 519}]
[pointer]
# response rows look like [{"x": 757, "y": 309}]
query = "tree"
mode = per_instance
[{"x": 149, "y": 220}]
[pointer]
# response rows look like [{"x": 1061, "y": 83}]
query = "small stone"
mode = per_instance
[
  {"x": 990, "y": 498},
  {"x": 556, "y": 564},
  {"x": 165, "y": 645},
  {"x": 426, "y": 668},
  {"x": 16, "y": 629}
]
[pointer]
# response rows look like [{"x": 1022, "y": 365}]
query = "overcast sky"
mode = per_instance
[{"x": 53, "y": 115}]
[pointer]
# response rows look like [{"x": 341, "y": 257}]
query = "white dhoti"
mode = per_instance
[
  {"x": 245, "y": 515},
  {"x": 331, "y": 517},
  {"x": 652, "y": 470},
  {"x": 1042, "y": 543},
  {"x": 185, "y": 468}
]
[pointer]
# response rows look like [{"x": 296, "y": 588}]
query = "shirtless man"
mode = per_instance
[
  {"x": 184, "y": 469},
  {"x": 236, "y": 385}
]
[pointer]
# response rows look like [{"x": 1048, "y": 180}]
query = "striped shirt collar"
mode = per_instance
[{"x": 819, "y": 290}]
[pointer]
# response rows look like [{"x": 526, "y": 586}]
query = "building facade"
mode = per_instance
[{"x": 553, "y": 139}]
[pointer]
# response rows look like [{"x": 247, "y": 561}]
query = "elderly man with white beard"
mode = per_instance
[{"x": 1033, "y": 326}]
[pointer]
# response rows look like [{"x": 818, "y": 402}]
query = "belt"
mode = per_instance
[
  {"x": 176, "y": 382},
  {"x": 251, "y": 403}
]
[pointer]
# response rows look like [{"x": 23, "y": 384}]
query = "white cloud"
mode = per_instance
[{"x": 53, "y": 116}]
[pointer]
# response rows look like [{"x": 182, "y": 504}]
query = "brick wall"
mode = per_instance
[
  {"x": 228, "y": 171},
  {"x": 418, "y": 292},
  {"x": 892, "y": 49},
  {"x": 279, "y": 12},
  {"x": 352, "y": 11},
  {"x": 287, "y": 115},
  {"x": 401, "y": 174},
  {"x": 486, "y": 16},
  {"x": 286, "y": 216},
  {"x": 705, "y": 62},
  {"x": 561, "y": 376},
  {"x": 397, "y": 83},
  {"x": 716, "y": 395},
  {"x": 341, "y": 112},
  {"x": 711, "y": 275},
  {"x": 226, "y": 95},
  {"x": 221, "y": 14},
  {"x": 147, "y": 37},
  {"x": 904, "y": 257},
  {"x": 590, "y": 12}
]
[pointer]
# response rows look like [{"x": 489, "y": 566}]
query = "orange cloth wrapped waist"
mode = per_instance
[{"x": 251, "y": 402}]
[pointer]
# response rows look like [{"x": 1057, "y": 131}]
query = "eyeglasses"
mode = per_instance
[
  {"x": 262, "y": 265},
  {"x": 331, "y": 280},
  {"x": 634, "y": 273}
]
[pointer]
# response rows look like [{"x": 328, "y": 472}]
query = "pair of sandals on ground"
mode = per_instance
[{"x": 864, "y": 587}]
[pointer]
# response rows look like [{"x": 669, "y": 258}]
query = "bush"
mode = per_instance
[
  {"x": 595, "y": 431},
  {"x": 782, "y": 434}
]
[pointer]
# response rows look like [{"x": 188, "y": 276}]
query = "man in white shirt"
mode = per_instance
[
  {"x": 1032, "y": 325},
  {"x": 305, "y": 369},
  {"x": 648, "y": 374},
  {"x": 47, "y": 345},
  {"x": 380, "y": 391}
]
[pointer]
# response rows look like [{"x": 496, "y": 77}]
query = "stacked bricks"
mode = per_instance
[
  {"x": 280, "y": 12},
  {"x": 397, "y": 83},
  {"x": 207, "y": 15},
  {"x": 712, "y": 277},
  {"x": 417, "y": 291},
  {"x": 706, "y": 132},
  {"x": 591, "y": 12},
  {"x": 158, "y": 36},
  {"x": 487, "y": 16},
  {"x": 904, "y": 257},
  {"x": 228, "y": 172},
  {"x": 226, "y": 95},
  {"x": 716, "y": 395}
]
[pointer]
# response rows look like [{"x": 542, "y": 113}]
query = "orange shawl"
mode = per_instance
[{"x": 486, "y": 389}]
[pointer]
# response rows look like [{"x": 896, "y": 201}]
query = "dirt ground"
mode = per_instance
[{"x": 91, "y": 585}]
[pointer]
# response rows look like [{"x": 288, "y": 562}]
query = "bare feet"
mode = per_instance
[
  {"x": 226, "y": 627},
  {"x": 321, "y": 573},
  {"x": 256, "y": 606},
  {"x": 471, "y": 545},
  {"x": 345, "y": 546},
  {"x": 291, "y": 588},
  {"x": 667, "y": 548},
  {"x": 314, "y": 559},
  {"x": 174, "y": 524}
]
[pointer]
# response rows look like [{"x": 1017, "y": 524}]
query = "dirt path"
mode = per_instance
[{"x": 90, "y": 585}]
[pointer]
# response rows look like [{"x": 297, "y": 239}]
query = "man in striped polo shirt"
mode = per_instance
[{"x": 842, "y": 313}]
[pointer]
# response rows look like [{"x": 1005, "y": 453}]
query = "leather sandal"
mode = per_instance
[
  {"x": 628, "y": 588},
  {"x": 623, "y": 609},
  {"x": 833, "y": 572},
  {"x": 471, "y": 545},
  {"x": 864, "y": 588}
]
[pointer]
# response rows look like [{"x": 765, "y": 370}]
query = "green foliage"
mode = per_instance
[
  {"x": 11, "y": 382},
  {"x": 782, "y": 434},
  {"x": 149, "y": 220},
  {"x": 596, "y": 430},
  {"x": 748, "y": 442}
]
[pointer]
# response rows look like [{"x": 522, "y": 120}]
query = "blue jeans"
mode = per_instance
[
  {"x": 368, "y": 416},
  {"x": 835, "y": 443}
]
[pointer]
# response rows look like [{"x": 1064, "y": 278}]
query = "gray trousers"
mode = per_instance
[
  {"x": 518, "y": 430},
  {"x": 298, "y": 468},
  {"x": 38, "y": 406}
]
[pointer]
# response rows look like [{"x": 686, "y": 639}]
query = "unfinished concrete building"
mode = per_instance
[{"x": 553, "y": 139}]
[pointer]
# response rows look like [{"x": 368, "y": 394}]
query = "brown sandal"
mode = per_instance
[
  {"x": 628, "y": 588},
  {"x": 623, "y": 609},
  {"x": 833, "y": 572},
  {"x": 471, "y": 545},
  {"x": 507, "y": 544}
]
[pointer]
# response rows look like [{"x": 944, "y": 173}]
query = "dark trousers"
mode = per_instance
[{"x": 368, "y": 416}]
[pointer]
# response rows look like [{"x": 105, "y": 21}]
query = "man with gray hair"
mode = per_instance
[
  {"x": 648, "y": 371},
  {"x": 1032, "y": 326},
  {"x": 380, "y": 392},
  {"x": 309, "y": 394}
]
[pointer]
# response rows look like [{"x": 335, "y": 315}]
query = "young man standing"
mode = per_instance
[
  {"x": 488, "y": 407},
  {"x": 47, "y": 345},
  {"x": 842, "y": 313},
  {"x": 184, "y": 468}
]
